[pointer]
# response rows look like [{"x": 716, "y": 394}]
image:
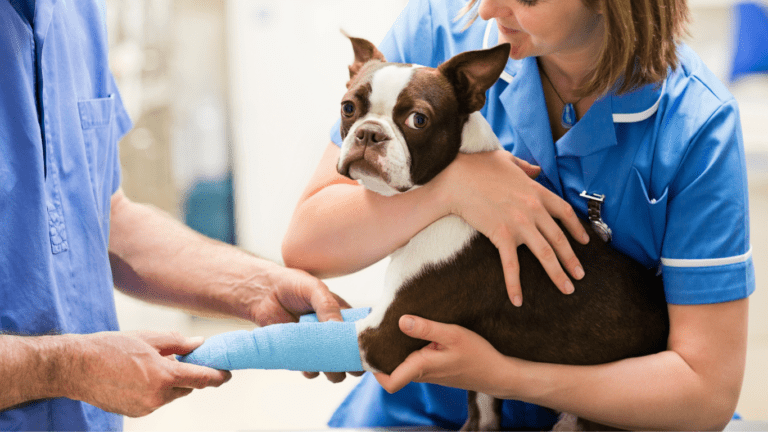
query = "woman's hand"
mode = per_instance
[
  {"x": 494, "y": 192},
  {"x": 456, "y": 357}
]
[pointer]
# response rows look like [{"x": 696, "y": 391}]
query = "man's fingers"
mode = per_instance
[
  {"x": 324, "y": 303},
  {"x": 335, "y": 377},
  {"x": 179, "y": 392},
  {"x": 198, "y": 377},
  {"x": 170, "y": 343},
  {"x": 342, "y": 303}
]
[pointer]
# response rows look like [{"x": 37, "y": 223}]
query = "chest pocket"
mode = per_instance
[
  {"x": 96, "y": 120},
  {"x": 648, "y": 216}
]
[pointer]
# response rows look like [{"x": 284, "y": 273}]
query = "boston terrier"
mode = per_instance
[{"x": 401, "y": 125}]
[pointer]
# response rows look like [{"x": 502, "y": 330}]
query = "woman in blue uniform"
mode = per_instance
[{"x": 602, "y": 96}]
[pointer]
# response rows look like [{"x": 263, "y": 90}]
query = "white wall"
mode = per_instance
[{"x": 288, "y": 63}]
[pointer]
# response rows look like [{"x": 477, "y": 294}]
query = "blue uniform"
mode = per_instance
[
  {"x": 60, "y": 121},
  {"x": 668, "y": 158}
]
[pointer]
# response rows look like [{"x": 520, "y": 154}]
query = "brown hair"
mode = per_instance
[{"x": 640, "y": 44}]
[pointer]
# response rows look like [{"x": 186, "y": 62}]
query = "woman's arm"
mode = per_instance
[
  {"x": 340, "y": 227},
  {"x": 693, "y": 385}
]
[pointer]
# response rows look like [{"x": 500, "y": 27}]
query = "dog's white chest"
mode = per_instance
[{"x": 436, "y": 245}]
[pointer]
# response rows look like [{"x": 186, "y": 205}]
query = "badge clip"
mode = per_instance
[{"x": 594, "y": 209}]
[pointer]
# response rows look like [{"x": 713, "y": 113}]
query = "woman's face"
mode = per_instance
[{"x": 544, "y": 27}]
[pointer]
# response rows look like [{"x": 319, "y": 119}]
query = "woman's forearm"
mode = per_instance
[
  {"x": 340, "y": 227},
  {"x": 344, "y": 228},
  {"x": 693, "y": 385},
  {"x": 666, "y": 395}
]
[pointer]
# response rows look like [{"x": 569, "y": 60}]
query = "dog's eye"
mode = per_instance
[
  {"x": 348, "y": 109},
  {"x": 416, "y": 121}
]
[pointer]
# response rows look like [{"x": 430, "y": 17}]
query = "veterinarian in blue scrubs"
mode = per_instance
[
  {"x": 666, "y": 153},
  {"x": 65, "y": 228}
]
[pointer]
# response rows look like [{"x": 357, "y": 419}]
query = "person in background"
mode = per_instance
[
  {"x": 68, "y": 236},
  {"x": 604, "y": 97}
]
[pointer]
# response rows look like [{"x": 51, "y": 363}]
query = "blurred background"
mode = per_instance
[{"x": 213, "y": 89}]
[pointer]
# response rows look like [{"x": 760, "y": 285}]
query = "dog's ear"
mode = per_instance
[
  {"x": 364, "y": 52},
  {"x": 474, "y": 72}
]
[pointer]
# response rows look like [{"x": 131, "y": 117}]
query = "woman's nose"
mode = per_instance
[{"x": 493, "y": 9}]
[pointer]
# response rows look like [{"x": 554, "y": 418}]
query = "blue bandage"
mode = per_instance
[{"x": 308, "y": 345}]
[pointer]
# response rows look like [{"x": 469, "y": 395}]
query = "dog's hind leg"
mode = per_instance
[{"x": 484, "y": 413}]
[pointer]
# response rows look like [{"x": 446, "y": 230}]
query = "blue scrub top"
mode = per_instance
[
  {"x": 61, "y": 117},
  {"x": 669, "y": 158}
]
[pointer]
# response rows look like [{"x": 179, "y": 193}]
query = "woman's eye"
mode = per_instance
[
  {"x": 348, "y": 109},
  {"x": 416, "y": 121}
]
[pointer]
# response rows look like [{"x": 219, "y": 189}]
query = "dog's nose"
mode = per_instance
[{"x": 371, "y": 135}]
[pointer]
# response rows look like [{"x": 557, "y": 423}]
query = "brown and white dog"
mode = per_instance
[{"x": 401, "y": 125}]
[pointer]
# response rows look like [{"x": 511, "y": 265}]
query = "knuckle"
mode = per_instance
[
  {"x": 531, "y": 202},
  {"x": 547, "y": 253},
  {"x": 560, "y": 238},
  {"x": 519, "y": 218},
  {"x": 326, "y": 302},
  {"x": 567, "y": 211}
]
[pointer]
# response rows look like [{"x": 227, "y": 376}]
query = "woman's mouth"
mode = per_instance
[{"x": 507, "y": 30}]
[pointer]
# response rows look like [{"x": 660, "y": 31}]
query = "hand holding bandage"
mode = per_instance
[{"x": 308, "y": 345}]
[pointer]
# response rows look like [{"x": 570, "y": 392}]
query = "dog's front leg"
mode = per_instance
[{"x": 484, "y": 413}]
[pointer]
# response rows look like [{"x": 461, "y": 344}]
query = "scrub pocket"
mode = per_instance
[
  {"x": 96, "y": 120},
  {"x": 649, "y": 214}
]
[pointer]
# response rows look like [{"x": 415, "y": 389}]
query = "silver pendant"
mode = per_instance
[
  {"x": 594, "y": 209},
  {"x": 568, "y": 118}
]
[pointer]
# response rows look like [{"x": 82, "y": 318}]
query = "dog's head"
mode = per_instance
[{"x": 402, "y": 124}]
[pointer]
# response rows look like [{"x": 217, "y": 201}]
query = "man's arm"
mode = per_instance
[
  {"x": 158, "y": 259},
  {"x": 124, "y": 373}
]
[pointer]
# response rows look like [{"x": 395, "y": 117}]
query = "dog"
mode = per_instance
[{"x": 401, "y": 125}]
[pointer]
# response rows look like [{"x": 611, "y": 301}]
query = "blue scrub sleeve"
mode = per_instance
[
  {"x": 308, "y": 345},
  {"x": 706, "y": 254}
]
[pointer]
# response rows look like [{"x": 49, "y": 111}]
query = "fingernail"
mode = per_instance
[
  {"x": 197, "y": 340},
  {"x": 578, "y": 272},
  {"x": 408, "y": 323},
  {"x": 568, "y": 288},
  {"x": 585, "y": 238},
  {"x": 517, "y": 301}
]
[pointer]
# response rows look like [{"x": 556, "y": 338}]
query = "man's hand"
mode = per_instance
[
  {"x": 293, "y": 293},
  {"x": 133, "y": 374}
]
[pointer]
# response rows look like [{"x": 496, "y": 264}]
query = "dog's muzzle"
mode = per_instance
[{"x": 369, "y": 141}]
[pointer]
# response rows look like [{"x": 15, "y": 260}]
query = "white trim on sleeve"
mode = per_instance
[{"x": 709, "y": 262}]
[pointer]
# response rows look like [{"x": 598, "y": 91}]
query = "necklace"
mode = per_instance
[{"x": 568, "y": 117}]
